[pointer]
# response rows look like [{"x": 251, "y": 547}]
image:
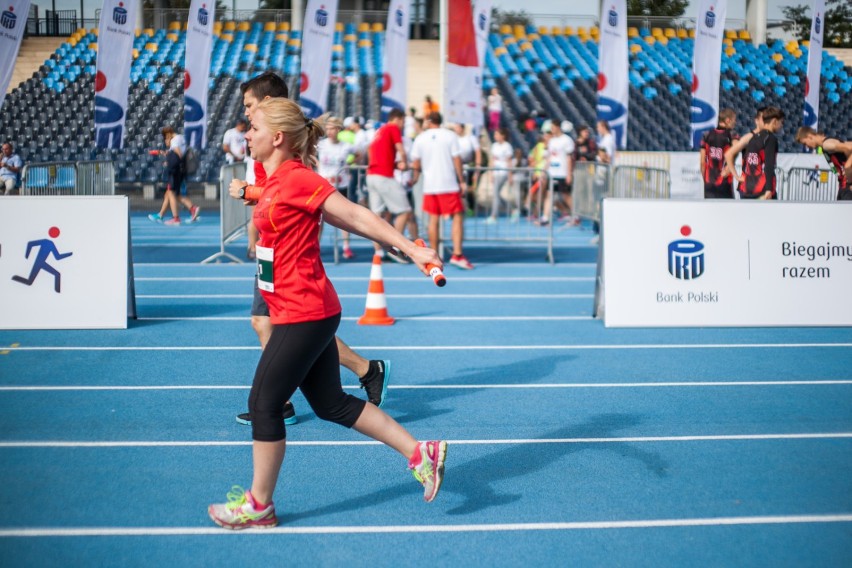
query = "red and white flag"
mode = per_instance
[
  {"x": 814, "y": 64},
  {"x": 199, "y": 48},
  {"x": 613, "y": 85},
  {"x": 13, "y": 24},
  {"x": 706, "y": 67},
  {"x": 481, "y": 27},
  {"x": 462, "y": 94},
  {"x": 317, "y": 44},
  {"x": 116, "y": 32},
  {"x": 395, "y": 58}
]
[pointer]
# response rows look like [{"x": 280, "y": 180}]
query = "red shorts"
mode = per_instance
[{"x": 443, "y": 203}]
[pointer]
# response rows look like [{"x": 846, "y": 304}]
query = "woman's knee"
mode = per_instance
[{"x": 344, "y": 411}]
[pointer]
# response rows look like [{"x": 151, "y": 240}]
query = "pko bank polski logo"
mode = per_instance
[
  {"x": 321, "y": 17},
  {"x": 203, "y": 15},
  {"x": 686, "y": 257},
  {"x": 710, "y": 18},
  {"x": 612, "y": 17},
  {"x": 119, "y": 14},
  {"x": 8, "y": 19}
]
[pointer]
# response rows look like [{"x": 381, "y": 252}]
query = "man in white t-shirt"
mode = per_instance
[
  {"x": 437, "y": 155},
  {"x": 606, "y": 143},
  {"x": 234, "y": 142},
  {"x": 560, "y": 158},
  {"x": 471, "y": 157}
]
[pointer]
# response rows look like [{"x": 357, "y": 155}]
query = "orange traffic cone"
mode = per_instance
[{"x": 377, "y": 306}]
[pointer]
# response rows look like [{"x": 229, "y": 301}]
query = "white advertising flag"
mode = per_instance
[
  {"x": 13, "y": 24},
  {"x": 395, "y": 58},
  {"x": 317, "y": 44},
  {"x": 116, "y": 32},
  {"x": 462, "y": 94},
  {"x": 482, "y": 27},
  {"x": 706, "y": 63},
  {"x": 199, "y": 48},
  {"x": 814, "y": 64},
  {"x": 613, "y": 85}
]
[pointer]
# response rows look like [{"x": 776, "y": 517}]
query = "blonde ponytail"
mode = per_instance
[{"x": 302, "y": 134}]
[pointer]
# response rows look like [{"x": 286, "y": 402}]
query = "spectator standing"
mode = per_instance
[
  {"x": 387, "y": 153},
  {"x": 838, "y": 154},
  {"x": 333, "y": 157},
  {"x": 234, "y": 142},
  {"x": 499, "y": 173},
  {"x": 495, "y": 110},
  {"x": 436, "y": 154},
  {"x": 560, "y": 157},
  {"x": 471, "y": 157},
  {"x": 585, "y": 147},
  {"x": 718, "y": 179},
  {"x": 11, "y": 165},
  {"x": 606, "y": 143},
  {"x": 429, "y": 106}
]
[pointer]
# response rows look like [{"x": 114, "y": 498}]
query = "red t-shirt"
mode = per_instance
[
  {"x": 382, "y": 152},
  {"x": 288, "y": 218},
  {"x": 259, "y": 174}
]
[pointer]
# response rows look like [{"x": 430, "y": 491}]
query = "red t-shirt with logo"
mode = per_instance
[
  {"x": 288, "y": 217},
  {"x": 382, "y": 154},
  {"x": 259, "y": 174}
]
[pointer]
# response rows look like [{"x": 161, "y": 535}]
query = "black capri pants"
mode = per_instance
[{"x": 304, "y": 356}]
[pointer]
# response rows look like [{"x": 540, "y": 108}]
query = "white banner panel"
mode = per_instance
[
  {"x": 613, "y": 85},
  {"x": 199, "y": 49},
  {"x": 706, "y": 64},
  {"x": 482, "y": 28},
  {"x": 463, "y": 94},
  {"x": 726, "y": 263},
  {"x": 395, "y": 58},
  {"x": 116, "y": 32},
  {"x": 13, "y": 24},
  {"x": 63, "y": 262},
  {"x": 317, "y": 44},
  {"x": 814, "y": 64}
]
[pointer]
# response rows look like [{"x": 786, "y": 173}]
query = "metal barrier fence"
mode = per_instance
[
  {"x": 505, "y": 205},
  {"x": 640, "y": 182},
  {"x": 807, "y": 184},
  {"x": 591, "y": 185},
  {"x": 95, "y": 178},
  {"x": 68, "y": 178},
  {"x": 234, "y": 215}
]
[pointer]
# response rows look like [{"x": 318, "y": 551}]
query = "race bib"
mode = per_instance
[{"x": 265, "y": 277}]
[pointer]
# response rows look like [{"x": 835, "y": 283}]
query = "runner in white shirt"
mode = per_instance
[
  {"x": 333, "y": 158},
  {"x": 234, "y": 142},
  {"x": 501, "y": 157},
  {"x": 560, "y": 167},
  {"x": 437, "y": 154}
]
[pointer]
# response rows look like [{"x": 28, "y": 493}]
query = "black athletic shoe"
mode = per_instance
[
  {"x": 375, "y": 382},
  {"x": 290, "y": 417}
]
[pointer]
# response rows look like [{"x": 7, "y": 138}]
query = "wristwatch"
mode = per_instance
[{"x": 242, "y": 194}]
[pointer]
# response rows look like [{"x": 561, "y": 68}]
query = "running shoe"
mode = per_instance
[
  {"x": 375, "y": 382},
  {"x": 290, "y": 417},
  {"x": 173, "y": 221},
  {"x": 427, "y": 465},
  {"x": 155, "y": 217},
  {"x": 348, "y": 254},
  {"x": 491, "y": 221},
  {"x": 241, "y": 512},
  {"x": 195, "y": 211},
  {"x": 460, "y": 261}
]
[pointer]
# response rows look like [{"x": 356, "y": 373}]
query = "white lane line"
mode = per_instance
[
  {"x": 505, "y": 442},
  {"x": 472, "y": 296},
  {"x": 248, "y": 278},
  {"x": 418, "y": 529},
  {"x": 398, "y": 318},
  {"x": 40, "y": 388},
  {"x": 449, "y": 347}
]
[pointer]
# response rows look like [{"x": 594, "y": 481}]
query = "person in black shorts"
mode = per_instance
[
  {"x": 838, "y": 154},
  {"x": 718, "y": 180},
  {"x": 758, "y": 177}
]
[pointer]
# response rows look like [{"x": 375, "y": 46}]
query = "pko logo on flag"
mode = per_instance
[
  {"x": 203, "y": 15},
  {"x": 397, "y": 16},
  {"x": 321, "y": 17},
  {"x": 9, "y": 18},
  {"x": 817, "y": 24},
  {"x": 119, "y": 14},
  {"x": 686, "y": 257},
  {"x": 612, "y": 18},
  {"x": 710, "y": 18}
]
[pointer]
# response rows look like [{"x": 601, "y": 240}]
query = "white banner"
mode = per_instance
[
  {"x": 726, "y": 263},
  {"x": 613, "y": 84},
  {"x": 13, "y": 24},
  {"x": 482, "y": 28},
  {"x": 57, "y": 271},
  {"x": 395, "y": 58},
  {"x": 199, "y": 48},
  {"x": 116, "y": 32},
  {"x": 814, "y": 64},
  {"x": 317, "y": 43},
  {"x": 463, "y": 94},
  {"x": 706, "y": 64}
]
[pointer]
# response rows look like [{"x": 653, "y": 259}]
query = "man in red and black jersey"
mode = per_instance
[
  {"x": 837, "y": 153},
  {"x": 718, "y": 179},
  {"x": 761, "y": 153}
]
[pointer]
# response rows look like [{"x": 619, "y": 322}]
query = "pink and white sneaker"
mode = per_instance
[
  {"x": 427, "y": 465},
  {"x": 241, "y": 512}
]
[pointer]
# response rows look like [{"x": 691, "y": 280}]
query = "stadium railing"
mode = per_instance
[
  {"x": 591, "y": 185},
  {"x": 809, "y": 184},
  {"x": 234, "y": 215},
  {"x": 69, "y": 178},
  {"x": 641, "y": 182}
]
